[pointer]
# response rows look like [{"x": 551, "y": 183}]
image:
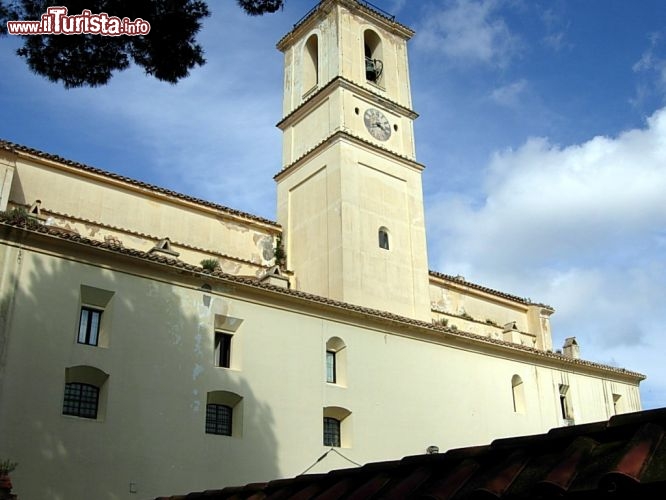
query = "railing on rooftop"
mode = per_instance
[{"x": 365, "y": 3}]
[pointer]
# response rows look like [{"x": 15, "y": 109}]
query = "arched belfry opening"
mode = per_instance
[
  {"x": 311, "y": 63},
  {"x": 374, "y": 58}
]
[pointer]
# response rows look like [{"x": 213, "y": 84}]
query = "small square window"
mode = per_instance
[
  {"x": 81, "y": 400},
  {"x": 223, "y": 349},
  {"x": 331, "y": 432},
  {"x": 89, "y": 324},
  {"x": 218, "y": 419}
]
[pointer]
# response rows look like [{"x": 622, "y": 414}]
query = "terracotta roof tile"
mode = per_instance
[
  {"x": 254, "y": 282},
  {"x": 625, "y": 456},
  {"x": 564, "y": 471},
  {"x": 341, "y": 81},
  {"x": 349, "y": 135},
  {"x": 146, "y": 236},
  {"x": 18, "y": 148},
  {"x": 364, "y": 5},
  {"x": 462, "y": 281}
]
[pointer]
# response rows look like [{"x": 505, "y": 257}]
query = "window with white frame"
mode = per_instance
[
  {"x": 89, "y": 323},
  {"x": 336, "y": 361},
  {"x": 95, "y": 310},
  {"x": 330, "y": 367}
]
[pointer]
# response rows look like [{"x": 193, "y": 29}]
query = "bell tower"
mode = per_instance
[{"x": 350, "y": 198}]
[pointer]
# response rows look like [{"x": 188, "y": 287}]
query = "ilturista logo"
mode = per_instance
[{"x": 56, "y": 21}]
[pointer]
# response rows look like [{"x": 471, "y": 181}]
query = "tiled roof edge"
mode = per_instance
[
  {"x": 19, "y": 148},
  {"x": 352, "y": 136},
  {"x": 363, "y": 6},
  {"x": 316, "y": 298},
  {"x": 407, "y": 111},
  {"x": 515, "y": 298},
  {"x": 151, "y": 237}
]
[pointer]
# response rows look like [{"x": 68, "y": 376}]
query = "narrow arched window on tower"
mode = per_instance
[
  {"x": 374, "y": 64},
  {"x": 518, "y": 390},
  {"x": 310, "y": 64},
  {"x": 383, "y": 238}
]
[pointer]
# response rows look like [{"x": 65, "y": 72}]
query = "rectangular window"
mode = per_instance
[
  {"x": 330, "y": 367},
  {"x": 89, "y": 324},
  {"x": 565, "y": 404},
  {"x": 616, "y": 404},
  {"x": 331, "y": 432},
  {"x": 218, "y": 419},
  {"x": 80, "y": 400},
  {"x": 223, "y": 349}
]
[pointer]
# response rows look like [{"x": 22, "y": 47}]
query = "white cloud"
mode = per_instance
[
  {"x": 215, "y": 130},
  {"x": 469, "y": 31},
  {"x": 651, "y": 63},
  {"x": 556, "y": 26},
  {"x": 509, "y": 95},
  {"x": 582, "y": 228},
  {"x": 555, "y": 41},
  {"x": 397, "y": 6}
]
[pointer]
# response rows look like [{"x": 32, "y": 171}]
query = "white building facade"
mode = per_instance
[{"x": 196, "y": 346}]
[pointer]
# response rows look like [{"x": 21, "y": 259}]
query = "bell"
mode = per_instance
[{"x": 370, "y": 70}]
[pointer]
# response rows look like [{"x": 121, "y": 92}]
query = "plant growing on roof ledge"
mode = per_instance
[
  {"x": 6, "y": 466},
  {"x": 19, "y": 217},
  {"x": 279, "y": 253},
  {"x": 210, "y": 264}
]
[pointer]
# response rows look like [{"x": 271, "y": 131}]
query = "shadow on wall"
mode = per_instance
[{"x": 155, "y": 357}]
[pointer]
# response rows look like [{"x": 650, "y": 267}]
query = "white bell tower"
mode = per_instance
[{"x": 350, "y": 198}]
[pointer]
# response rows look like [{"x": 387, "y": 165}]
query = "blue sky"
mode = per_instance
[{"x": 542, "y": 128}]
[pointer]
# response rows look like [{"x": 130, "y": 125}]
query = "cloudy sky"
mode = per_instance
[{"x": 542, "y": 128}]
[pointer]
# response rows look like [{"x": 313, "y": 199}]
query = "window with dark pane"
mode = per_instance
[
  {"x": 330, "y": 367},
  {"x": 223, "y": 349},
  {"x": 218, "y": 419},
  {"x": 331, "y": 431},
  {"x": 383, "y": 239},
  {"x": 89, "y": 323},
  {"x": 80, "y": 400}
]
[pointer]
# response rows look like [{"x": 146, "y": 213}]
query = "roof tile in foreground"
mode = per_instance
[{"x": 624, "y": 458}]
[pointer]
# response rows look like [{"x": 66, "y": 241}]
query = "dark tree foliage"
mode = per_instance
[
  {"x": 168, "y": 52},
  {"x": 260, "y": 7}
]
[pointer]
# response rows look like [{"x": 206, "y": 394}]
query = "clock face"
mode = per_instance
[{"x": 377, "y": 124}]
